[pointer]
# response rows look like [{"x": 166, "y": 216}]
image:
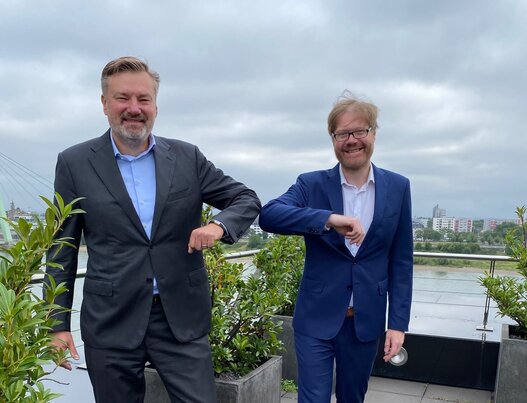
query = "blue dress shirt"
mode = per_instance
[{"x": 139, "y": 176}]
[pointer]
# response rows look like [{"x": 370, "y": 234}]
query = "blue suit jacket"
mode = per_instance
[{"x": 380, "y": 272}]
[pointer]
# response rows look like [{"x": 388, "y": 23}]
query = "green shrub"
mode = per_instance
[
  {"x": 510, "y": 293},
  {"x": 289, "y": 386},
  {"x": 26, "y": 318},
  {"x": 243, "y": 334},
  {"x": 281, "y": 263}
]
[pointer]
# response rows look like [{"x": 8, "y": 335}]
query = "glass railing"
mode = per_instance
[{"x": 491, "y": 259}]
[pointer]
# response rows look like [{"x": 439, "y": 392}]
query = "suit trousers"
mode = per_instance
[
  {"x": 117, "y": 375},
  {"x": 353, "y": 361}
]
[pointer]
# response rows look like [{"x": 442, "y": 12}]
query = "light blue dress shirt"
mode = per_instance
[{"x": 139, "y": 176}]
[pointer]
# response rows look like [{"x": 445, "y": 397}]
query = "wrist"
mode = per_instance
[{"x": 219, "y": 224}]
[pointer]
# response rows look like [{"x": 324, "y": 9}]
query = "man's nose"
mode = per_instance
[
  {"x": 134, "y": 106},
  {"x": 350, "y": 140}
]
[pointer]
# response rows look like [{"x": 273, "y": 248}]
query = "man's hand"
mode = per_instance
[
  {"x": 64, "y": 341},
  {"x": 392, "y": 344},
  {"x": 350, "y": 227},
  {"x": 204, "y": 237}
]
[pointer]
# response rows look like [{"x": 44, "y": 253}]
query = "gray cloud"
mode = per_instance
[{"x": 251, "y": 83}]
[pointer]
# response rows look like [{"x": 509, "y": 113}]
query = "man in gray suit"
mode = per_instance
[{"x": 146, "y": 293}]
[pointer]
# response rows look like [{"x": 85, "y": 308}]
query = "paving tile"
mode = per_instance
[
  {"x": 288, "y": 398},
  {"x": 427, "y": 400},
  {"x": 293, "y": 397},
  {"x": 397, "y": 386},
  {"x": 452, "y": 394},
  {"x": 375, "y": 396}
]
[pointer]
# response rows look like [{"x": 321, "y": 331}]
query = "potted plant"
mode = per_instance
[
  {"x": 243, "y": 334},
  {"x": 281, "y": 263},
  {"x": 510, "y": 295},
  {"x": 25, "y": 317}
]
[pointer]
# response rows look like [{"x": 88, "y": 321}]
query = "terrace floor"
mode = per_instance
[{"x": 385, "y": 390}]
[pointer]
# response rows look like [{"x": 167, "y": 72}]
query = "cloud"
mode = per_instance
[{"x": 251, "y": 83}]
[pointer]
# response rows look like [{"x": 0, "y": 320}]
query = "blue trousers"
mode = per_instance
[{"x": 353, "y": 361}]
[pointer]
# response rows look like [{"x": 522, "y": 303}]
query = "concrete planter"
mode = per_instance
[
  {"x": 512, "y": 369},
  {"x": 287, "y": 337},
  {"x": 260, "y": 385}
]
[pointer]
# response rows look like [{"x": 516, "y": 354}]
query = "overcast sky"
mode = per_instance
[{"x": 251, "y": 83}]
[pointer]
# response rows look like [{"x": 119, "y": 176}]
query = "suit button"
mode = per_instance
[{"x": 349, "y": 287}]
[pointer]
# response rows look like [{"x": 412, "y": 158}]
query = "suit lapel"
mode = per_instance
[
  {"x": 381, "y": 195},
  {"x": 336, "y": 203},
  {"x": 334, "y": 190},
  {"x": 165, "y": 167},
  {"x": 104, "y": 163}
]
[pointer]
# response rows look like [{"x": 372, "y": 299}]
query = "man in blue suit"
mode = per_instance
[{"x": 356, "y": 221}]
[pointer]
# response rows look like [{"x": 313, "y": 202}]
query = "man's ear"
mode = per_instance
[{"x": 103, "y": 101}]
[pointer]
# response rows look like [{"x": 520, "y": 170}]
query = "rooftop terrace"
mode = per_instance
[{"x": 448, "y": 306}]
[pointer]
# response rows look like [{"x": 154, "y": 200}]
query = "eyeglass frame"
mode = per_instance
[{"x": 352, "y": 133}]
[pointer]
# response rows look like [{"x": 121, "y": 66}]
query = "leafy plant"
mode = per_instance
[
  {"x": 26, "y": 318},
  {"x": 289, "y": 386},
  {"x": 243, "y": 334},
  {"x": 281, "y": 263},
  {"x": 510, "y": 293}
]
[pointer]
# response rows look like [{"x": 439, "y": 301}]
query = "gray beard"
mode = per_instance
[{"x": 131, "y": 139}]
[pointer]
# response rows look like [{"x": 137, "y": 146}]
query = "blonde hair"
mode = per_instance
[{"x": 349, "y": 102}]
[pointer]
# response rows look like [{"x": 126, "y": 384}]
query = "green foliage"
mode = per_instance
[
  {"x": 281, "y": 263},
  {"x": 255, "y": 242},
  {"x": 243, "y": 334},
  {"x": 428, "y": 234},
  {"x": 289, "y": 386},
  {"x": 510, "y": 293},
  {"x": 25, "y": 318},
  {"x": 456, "y": 247}
]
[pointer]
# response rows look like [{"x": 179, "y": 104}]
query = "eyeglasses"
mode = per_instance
[{"x": 357, "y": 134}]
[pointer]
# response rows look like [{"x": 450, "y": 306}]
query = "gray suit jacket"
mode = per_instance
[{"x": 122, "y": 262}]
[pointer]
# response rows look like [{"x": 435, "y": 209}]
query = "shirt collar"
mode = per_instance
[
  {"x": 118, "y": 154},
  {"x": 371, "y": 177}
]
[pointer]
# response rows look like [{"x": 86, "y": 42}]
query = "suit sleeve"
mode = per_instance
[
  {"x": 290, "y": 213},
  {"x": 239, "y": 205},
  {"x": 401, "y": 268},
  {"x": 67, "y": 256}
]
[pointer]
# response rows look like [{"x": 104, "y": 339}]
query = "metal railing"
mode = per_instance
[{"x": 492, "y": 259}]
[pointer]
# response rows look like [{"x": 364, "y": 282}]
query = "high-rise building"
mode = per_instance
[{"x": 438, "y": 212}]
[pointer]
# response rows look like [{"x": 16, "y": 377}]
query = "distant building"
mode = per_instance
[
  {"x": 14, "y": 213},
  {"x": 452, "y": 223},
  {"x": 489, "y": 224},
  {"x": 438, "y": 212},
  {"x": 443, "y": 223},
  {"x": 255, "y": 228},
  {"x": 423, "y": 220},
  {"x": 417, "y": 223},
  {"x": 463, "y": 225}
]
